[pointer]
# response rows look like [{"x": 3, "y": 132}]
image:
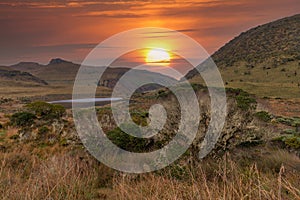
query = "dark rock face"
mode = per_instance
[{"x": 57, "y": 61}]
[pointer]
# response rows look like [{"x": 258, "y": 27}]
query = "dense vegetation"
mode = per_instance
[
  {"x": 22, "y": 118},
  {"x": 46, "y": 111},
  {"x": 126, "y": 141}
]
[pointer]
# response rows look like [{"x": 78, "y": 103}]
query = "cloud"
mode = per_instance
[
  {"x": 66, "y": 4},
  {"x": 112, "y": 14},
  {"x": 62, "y": 47},
  {"x": 77, "y": 24}
]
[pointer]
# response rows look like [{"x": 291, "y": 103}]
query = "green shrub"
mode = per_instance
[
  {"x": 139, "y": 117},
  {"x": 245, "y": 103},
  {"x": 63, "y": 142},
  {"x": 43, "y": 130},
  {"x": 14, "y": 137},
  {"x": 244, "y": 100},
  {"x": 290, "y": 141},
  {"x": 293, "y": 121},
  {"x": 289, "y": 131},
  {"x": 126, "y": 141},
  {"x": 286, "y": 121},
  {"x": 197, "y": 86},
  {"x": 46, "y": 110},
  {"x": 22, "y": 119},
  {"x": 264, "y": 116},
  {"x": 176, "y": 171},
  {"x": 162, "y": 94}
]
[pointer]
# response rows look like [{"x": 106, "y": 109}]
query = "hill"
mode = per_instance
[
  {"x": 59, "y": 72},
  {"x": 9, "y": 77},
  {"x": 264, "y": 60}
]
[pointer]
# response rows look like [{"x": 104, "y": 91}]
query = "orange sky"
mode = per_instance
[{"x": 40, "y": 30}]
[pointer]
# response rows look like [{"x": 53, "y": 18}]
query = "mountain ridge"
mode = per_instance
[
  {"x": 264, "y": 60},
  {"x": 61, "y": 72}
]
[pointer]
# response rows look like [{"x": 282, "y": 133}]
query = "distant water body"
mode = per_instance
[{"x": 85, "y": 102}]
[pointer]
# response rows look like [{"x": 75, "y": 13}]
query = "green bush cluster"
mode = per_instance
[
  {"x": 5, "y": 100},
  {"x": 22, "y": 119},
  {"x": 126, "y": 141},
  {"x": 289, "y": 131},
  {"x": 43, "y": 130},
  {"x": 290, "y": 141},
  {"x": 197, "y": 86},
  {"x": 244, "y": 100},
  {"x": 140, "y": 117},
  {"x": 46, "y": 110},
  {"x": 264, "y": 116},
  {"x": 290, "y": 121},
  {"x": 162, "y": 94}
]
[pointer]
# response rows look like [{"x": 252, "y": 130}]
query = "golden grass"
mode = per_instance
[
  {"x": 25, "y": 175},
  {"x": 228, "y": 181}
]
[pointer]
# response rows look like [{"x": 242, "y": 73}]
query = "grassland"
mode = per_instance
[
  {"x": 51, "y": 163},
  {"x": 280, "y": 82}
]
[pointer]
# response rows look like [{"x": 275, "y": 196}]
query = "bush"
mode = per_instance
[
  {"x": 293, "y": 142},
  {"x": 290, "y": 141},
  {"x": 139, "y": 117},
  {"x": 289, "y": 132},
  {"x": 197, "y": 86},
  {"x": 243, "y": 99},
  {"x": 264, "y": 116},
  {"x": 22, "y": 119},
  {"x": 293, "y": 121},
  {"x": 245, "y": 102},
  {"x": 14, "y": 137},
  {"x": 162, "y": 94},
  {"x": 126, "y": 141},
  {"x": 43, "y": 130},
  {"x": 46, "y": 110}
]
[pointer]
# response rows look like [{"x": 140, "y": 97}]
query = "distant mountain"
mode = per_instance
[
  {"x": 61, "y": 72},
  {"x": 262, "y": 59},
  {"x": 9, "y": 76},
  {"x": 23, "y": 66},
  {"x": 57, "y": 71}
]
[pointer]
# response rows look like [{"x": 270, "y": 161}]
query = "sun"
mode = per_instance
[{"x": 158, "y": 56}]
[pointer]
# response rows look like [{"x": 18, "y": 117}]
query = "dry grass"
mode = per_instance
[
  {"x": 75, "y": 175},
  {"x": 25, "y": 176},
  {"x": 228, "y": 181}
]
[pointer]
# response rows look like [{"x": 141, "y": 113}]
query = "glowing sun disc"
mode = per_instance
[{"x": 158, "y": 56}]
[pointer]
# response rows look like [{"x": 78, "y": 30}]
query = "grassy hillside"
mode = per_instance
[{"x": 264, "y": 60}]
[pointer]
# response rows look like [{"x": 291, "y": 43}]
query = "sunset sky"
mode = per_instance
[{"x": 41, "y": 30}]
